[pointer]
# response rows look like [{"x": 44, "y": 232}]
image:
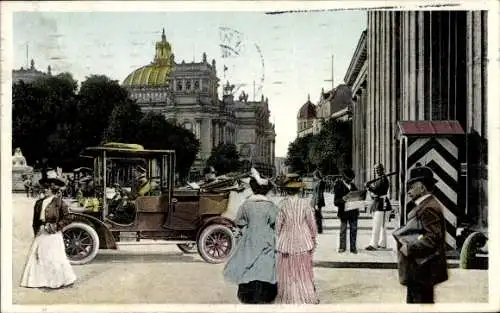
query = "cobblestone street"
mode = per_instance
[{"x": 158, "y": 274}]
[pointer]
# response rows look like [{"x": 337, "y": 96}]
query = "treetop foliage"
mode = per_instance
[{"x": 329, "y": 151}]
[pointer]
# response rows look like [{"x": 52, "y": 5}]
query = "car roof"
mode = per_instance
[
  {"x": 123, "y": 152},
  {"x": 79, "y": 169}
]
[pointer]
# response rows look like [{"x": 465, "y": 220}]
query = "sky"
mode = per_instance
[{"x": 288, "y": 56}]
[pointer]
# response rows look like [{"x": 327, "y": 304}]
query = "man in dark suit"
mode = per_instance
[
  {"x": 341, "y": 188},
  {"x": 422, "y": 260},
  {"x": 318, "y": 199}
]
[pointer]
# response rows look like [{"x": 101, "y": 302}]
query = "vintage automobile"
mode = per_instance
[{"x": 186, "y": 217}]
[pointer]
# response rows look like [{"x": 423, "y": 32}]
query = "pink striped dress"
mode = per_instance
[{"x": 296, "y": 240}]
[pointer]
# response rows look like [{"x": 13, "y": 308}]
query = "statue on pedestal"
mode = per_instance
[{"x": 20, "y": 171}]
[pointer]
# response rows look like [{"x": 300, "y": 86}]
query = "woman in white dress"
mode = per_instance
[{"x": 47, "y": 265}]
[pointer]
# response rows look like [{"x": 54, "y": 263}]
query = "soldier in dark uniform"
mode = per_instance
[{"x": 341, "y": 188}]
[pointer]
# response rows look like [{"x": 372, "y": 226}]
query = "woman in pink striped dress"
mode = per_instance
[{"x": 296, "y": 241}]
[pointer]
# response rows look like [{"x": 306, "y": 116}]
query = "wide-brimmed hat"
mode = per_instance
[
  {"x": 51, "y": 177},
  {"x": 423, "y": 174},
  {"x": 294, "y": 185},
  {"x": 348, "y": 174}
]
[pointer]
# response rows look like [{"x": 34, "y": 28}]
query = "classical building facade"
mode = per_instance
[
  {"x": 29, "y": 75},
  {"x": 421, "y": 65},
  {"x": 186, "y": 94},
  {"x": 255, "y": 135}
]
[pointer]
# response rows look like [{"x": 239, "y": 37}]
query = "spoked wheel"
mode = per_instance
[
  {"x": 187, "y": 247},
  {"x": 81, "y": 243},
  {"x": 216, "y": 243}
]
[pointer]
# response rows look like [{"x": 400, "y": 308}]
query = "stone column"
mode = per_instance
[
  {"x": 371, "y": 89},
  {"x": 222, "y": 134},
  {"x": 420, "y": 66},
  {"x": 387, "y": 140},
  {"x": 197, "y": 126},
  {"x": 356, "y": 135},
  {"x": 206, "y": 137},
  {"x": 395, "y": 100},
  {"x": 476, "y": 70}
]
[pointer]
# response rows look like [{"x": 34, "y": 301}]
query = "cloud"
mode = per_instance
[{"x": 44, "y": 39}]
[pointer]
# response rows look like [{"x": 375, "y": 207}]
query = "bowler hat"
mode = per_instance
[
  {"x": 349, "y": 174},
  {"x": 423, "y": 174},
  {"x": 51, "y": 177}
]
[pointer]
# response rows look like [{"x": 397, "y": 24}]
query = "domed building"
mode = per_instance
[
  {"x": 335, "y": 104},
  {"x": 305, "y": 118},
  {"x": 186, "y": 94}
]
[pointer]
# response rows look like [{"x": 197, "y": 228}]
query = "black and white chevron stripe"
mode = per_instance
[{"x": 441, "y": 155}]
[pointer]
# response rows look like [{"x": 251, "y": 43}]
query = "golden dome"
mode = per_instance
[{"x": 158, "y": 72}]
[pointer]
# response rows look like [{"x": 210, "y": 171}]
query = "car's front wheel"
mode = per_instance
[
  {"x": 216, "y": 243},
  {"x": 81, "y": 243}
]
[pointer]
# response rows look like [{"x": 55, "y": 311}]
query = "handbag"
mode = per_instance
[{"x": 411, "y": 233}]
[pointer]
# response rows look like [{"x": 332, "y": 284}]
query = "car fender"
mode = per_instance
[
  {"x": 215, "y": 220},
  {"x": 106, "y": 238}
]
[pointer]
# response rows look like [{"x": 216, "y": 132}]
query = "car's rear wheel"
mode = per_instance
[
  {"x": 81, "y": 243},
  {"x": 187, "y": 247},
  {"x": 216, "y": 243}
]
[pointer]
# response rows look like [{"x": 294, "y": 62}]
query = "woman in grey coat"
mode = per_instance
[{"x": 253, "y": 263}]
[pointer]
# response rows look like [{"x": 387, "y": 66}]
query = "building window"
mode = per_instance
[
  {"x": 197, "y": 85},
  {"x": 205, "y": 85},
  {"x": 188, "y": 85},
  {"x": 179, "y": 86}
]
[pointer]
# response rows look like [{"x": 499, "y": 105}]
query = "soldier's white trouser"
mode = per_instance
[{"x": 379, "y": 232}]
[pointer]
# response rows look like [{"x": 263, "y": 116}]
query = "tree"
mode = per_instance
[
  {"x": 156, "y": 133},
  {"x": 44, "y": 118},
  {"x": 225, "y": 158},
  {"x": 98, "y": 96},
  {"x": 52, "y": 124},
  {"x": 298, "y": 154},
  {"x": 124, "y": 123},
  {"x": 51, "y": 121},
  {"x": 329, "y": 151}
]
